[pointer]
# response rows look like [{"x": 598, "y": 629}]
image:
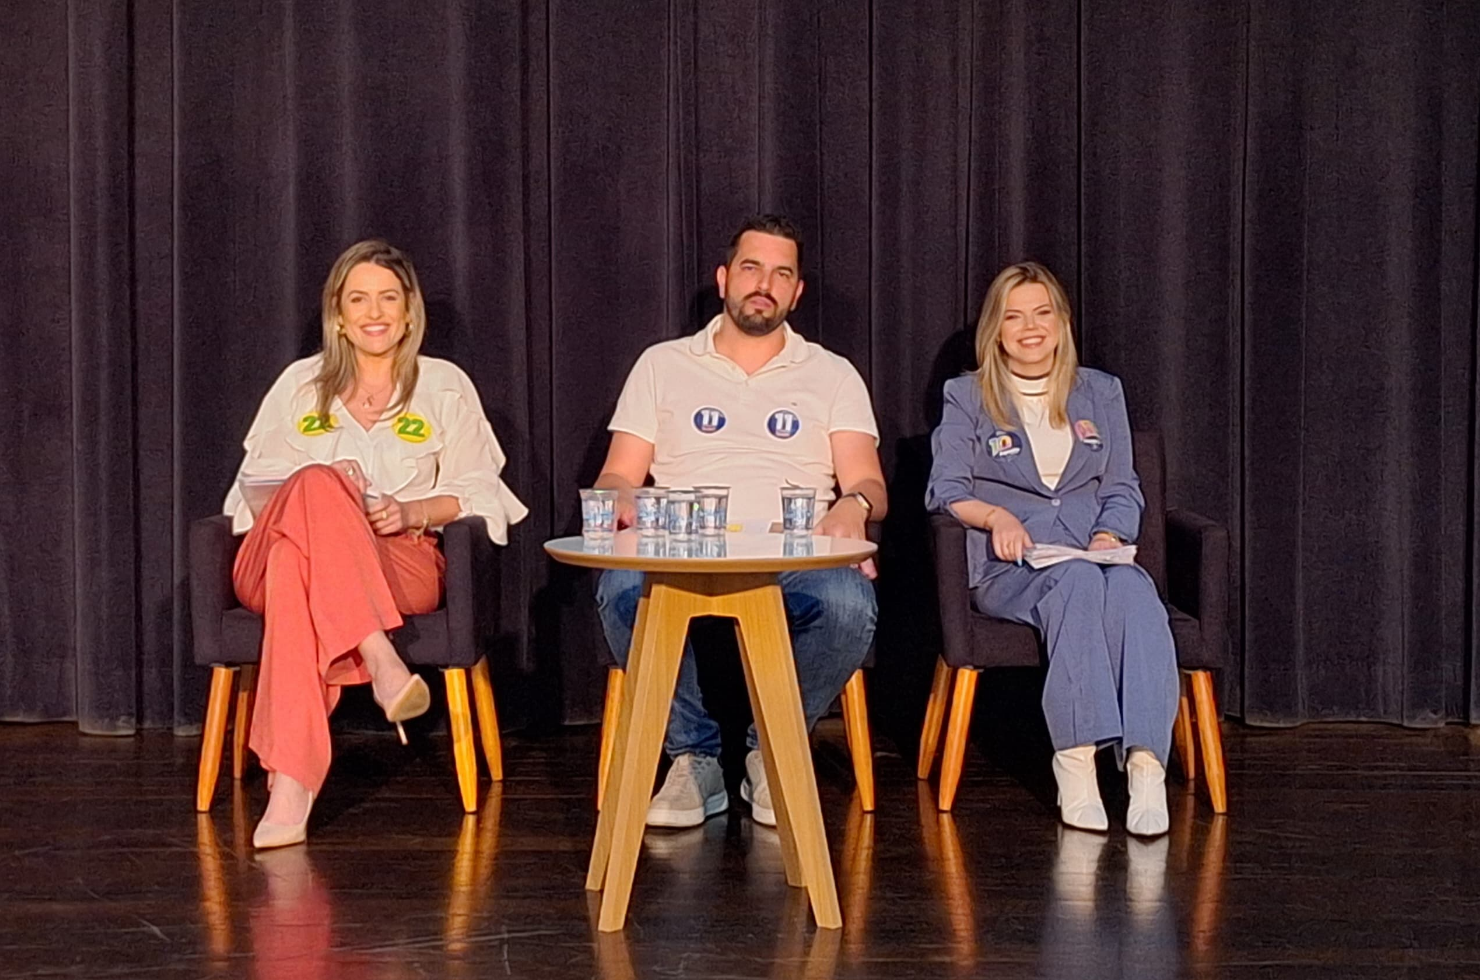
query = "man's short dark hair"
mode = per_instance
[{"x": 771, "y": 224}]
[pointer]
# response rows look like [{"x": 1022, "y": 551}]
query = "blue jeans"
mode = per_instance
[{"x": 830, "y": 614}]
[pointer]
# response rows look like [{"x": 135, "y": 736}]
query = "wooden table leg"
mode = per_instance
[
  {"x": 795, "y": 875},
  {"x": 669, "y": 609},
  {"x": 771, "y": 673},
  {"x": 605, "y": 818}
]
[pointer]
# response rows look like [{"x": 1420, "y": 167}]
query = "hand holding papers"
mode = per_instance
[{"x": 1044, "y": 555}]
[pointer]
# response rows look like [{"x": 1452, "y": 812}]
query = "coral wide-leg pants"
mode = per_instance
[{"x": 323, "y": 581}]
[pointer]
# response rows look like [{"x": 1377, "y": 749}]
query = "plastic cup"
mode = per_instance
[
  {"x": 798, "y": 508},
  {"x": 680, "y": 517},
  {"x": 650, "y": 503},
  {"x": 713, "y": 516},
  {"x": 598, "y": 513},
  {"x": 712, "y": 546},
  {"x": 652, "y": 546}
]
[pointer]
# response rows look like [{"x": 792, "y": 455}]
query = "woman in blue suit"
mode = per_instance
[{"x": 1033, "y": 449}]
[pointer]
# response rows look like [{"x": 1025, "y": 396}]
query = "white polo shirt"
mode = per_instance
[{"x": 710, "y": 422}]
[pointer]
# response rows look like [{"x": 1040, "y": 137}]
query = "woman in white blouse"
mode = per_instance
[{"x": 356, "y": 455}]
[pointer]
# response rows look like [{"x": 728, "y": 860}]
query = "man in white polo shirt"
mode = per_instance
[{"x": 749, "y": 404}]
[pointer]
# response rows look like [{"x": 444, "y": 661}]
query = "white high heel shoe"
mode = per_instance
[
  {"x": 268, "y": 835},
  {"x": 1079, "y": 792},
  {"x": 1147, "y": 781}
]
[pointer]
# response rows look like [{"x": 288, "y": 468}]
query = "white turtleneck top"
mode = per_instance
[{"x": 1051, "y": 446}]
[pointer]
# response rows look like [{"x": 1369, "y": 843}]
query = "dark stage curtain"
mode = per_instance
[{"x": 1265, "y": 211}]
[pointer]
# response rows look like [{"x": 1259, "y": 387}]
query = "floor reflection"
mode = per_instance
[
  {"x": 946, "y": 864},
  {"x": 472, "y": 870},
  {"x": 855, "y": 880},
  {"x": 969, "y": 889},
  {"x": 1090, "y": 931},
  {"x": 290, "y": 925}
]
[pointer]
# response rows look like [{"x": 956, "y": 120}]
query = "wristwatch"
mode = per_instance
[
  {"x": 868, "y": 508},
  {"x": 1109, "y": 534}
]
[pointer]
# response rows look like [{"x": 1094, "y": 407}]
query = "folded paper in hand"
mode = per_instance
[
  {"x": 258, "y": 490},
  {"x": 1044, "y": 555}
]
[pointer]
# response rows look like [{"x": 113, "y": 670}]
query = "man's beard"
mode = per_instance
[{"x": 755, "y": 324}]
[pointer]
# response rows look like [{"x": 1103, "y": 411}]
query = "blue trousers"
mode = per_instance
[
  {"x": 831, "y": 617},
  {"x": 1112, "y": 669}
]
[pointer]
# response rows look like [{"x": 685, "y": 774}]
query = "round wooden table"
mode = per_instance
[{"x": 734, "y": 576}]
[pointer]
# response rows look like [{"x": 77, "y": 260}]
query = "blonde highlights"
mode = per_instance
[
  {"x": 992, "y": 372},
  {"x": 337, "y": 372}
]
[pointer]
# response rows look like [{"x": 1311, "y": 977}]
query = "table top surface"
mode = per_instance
[{"x": 733, "y": 553}]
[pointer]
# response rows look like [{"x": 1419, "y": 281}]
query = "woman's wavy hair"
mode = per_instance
[
  {"x": 992, "y": 372},
  {"x": 337, "y": 369}
]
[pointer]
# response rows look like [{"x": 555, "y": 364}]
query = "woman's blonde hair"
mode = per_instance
[
  {"x": 337, "y": 373},
  {"x": 993, "y": 374}
]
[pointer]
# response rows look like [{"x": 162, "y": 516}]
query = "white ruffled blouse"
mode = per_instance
[{"x": 439, "y": 445}]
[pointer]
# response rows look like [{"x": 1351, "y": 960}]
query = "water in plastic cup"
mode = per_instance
[
  {"x": 681, "y": 507},
  {"x": 598, "y": 513},
  {"x": 798, "y": 505},
  {"x": 652, "y": 546},
  {"x": 713, "y": 516},
  {"x": 650, "y": 503}
]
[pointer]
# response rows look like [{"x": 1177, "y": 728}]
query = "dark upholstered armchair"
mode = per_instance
[
  {"x": 228, "y": 639},
  {"x": 1187, "y": 557}
]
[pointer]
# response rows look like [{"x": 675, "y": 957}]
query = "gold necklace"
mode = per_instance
[{"x": 369, "y": 401}]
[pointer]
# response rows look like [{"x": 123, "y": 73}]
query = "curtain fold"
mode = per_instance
[{"x": 1265, "y": 211}]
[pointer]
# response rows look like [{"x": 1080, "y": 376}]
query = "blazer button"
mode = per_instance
[{"x": 1057, "y": 501}]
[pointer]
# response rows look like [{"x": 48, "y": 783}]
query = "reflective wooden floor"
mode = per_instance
[{"x": 1350, "y": 852}]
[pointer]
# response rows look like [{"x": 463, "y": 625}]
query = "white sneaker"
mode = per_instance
[
  {"x": 1147, "y": 780},
  {"x": 1079, "y": 792},
  {"x": 693, "y": 792},
  {"x": 756, "y": 790}
]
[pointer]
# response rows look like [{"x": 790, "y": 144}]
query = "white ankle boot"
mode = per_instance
[
  {"x": 1079, "y": 792},
  {"x": 1147, "y": 814}
]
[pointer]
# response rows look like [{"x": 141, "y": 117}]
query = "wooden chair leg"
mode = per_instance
[
  {"x": 241, "y": 725},
  {"x": 860, "y": 744},
  {"x": 460, "y": 719},
  {"x": 935, "y": 716},
  {"x": 616, "y": 679},
  {"x": 1212, "y": 738},
  {"x": 1182, "y": 730},
  {"x": 960, "y": 726},
  {"x": 493, "y": 752},
  {"x": 213, "y": 735}
]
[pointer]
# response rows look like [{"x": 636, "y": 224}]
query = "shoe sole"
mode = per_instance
[
  {"x": 716, "y": 804},
  {"x": 759, "y": 814}
]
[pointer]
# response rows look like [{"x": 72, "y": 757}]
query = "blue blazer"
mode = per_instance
[{"x": 977, "y": 460}]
